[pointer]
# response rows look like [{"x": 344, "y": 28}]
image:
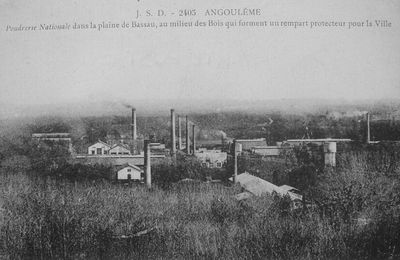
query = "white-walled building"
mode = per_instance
[
  {"x": 266, "y": 150},
  {"x": 129, "y": 172},
  {"x": 119, "y": 149},
  {"x": 99, "y": 148},
  {"x": 247, "y": 144},
  {"x": 212, "y": 158}
]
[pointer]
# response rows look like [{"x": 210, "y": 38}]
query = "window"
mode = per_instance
[
  {"x": 99, "y": 151},
  {"x": 129, "y": 170},
  {"x": 219, "y": 165},
  {"x": 93, "y": 151}
]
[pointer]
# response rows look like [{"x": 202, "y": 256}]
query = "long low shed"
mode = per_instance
[
  {"x": 258, "y": 187},
  {"x": 137, "y": 160}
]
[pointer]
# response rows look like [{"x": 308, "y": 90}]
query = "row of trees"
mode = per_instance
[
  {"x": 278, "y": 127},
  {"x": 22, "y": 154}
]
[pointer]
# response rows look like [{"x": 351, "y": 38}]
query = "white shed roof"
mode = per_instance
[
  {"x": 258, "y": 186},
  {"x": 101, "y": 142},
  {"x": 130, "y": 166}
]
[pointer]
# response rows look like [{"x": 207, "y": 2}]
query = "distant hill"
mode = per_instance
[{"x": 162, "y": 107}]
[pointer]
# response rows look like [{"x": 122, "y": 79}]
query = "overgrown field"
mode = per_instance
[
  {"x": 50, "y": 208},
  {"x": 355, "y": 214}
]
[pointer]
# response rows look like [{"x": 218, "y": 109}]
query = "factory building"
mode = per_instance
[
  {"x": 119, "y": 149},
  {"x": 99, "y": 148},
  {"x": 212, "y": 158},
  {"x": 266, "y": 150},
  {"x": 248, "y": 144}
]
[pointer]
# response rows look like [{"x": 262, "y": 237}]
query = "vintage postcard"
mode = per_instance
[{"x": 149, "y": 129}]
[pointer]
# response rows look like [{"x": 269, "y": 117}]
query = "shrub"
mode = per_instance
[{"x": 185, "y": 167}]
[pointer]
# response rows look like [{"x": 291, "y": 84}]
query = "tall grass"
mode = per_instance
[{"x": 53, "y": 218}]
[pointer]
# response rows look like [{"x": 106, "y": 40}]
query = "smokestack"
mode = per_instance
[
  {"x": 134, "y": 130},
  {"x": 179, "y": 133},
  {"x": 368, "y": 129},
  {"x": 147, "y": 166},
  {"x": 173, "y": 141},
  {"x": 187, "y": 136},
  {"x": 235, "y": 163},
  {"x": 194, "y": 138}
]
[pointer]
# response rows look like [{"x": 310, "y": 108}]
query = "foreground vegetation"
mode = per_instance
[
  {"x": 355, "y": 214},
  {"x": 52, "y": 208}
]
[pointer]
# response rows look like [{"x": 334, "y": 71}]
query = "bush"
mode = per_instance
[{"x": 168, "y": 172}]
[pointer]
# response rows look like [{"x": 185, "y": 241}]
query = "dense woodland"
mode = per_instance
[{"x": 51, "y": 207}]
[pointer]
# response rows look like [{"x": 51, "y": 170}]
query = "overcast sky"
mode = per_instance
[{"x": 240, "y": 63}]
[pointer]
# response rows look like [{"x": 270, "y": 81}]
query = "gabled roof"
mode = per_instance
[
  {"x": 101, "y": 142},
  {"x": 120, "y": 145},
  {"x": 129, "y": 165}
]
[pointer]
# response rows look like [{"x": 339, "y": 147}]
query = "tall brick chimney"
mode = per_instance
[
  {"x": 194, "y": 138},
  {"x": 133, "y": 124},
  {"x": 187, "y": 136},
  {"x": 368, "y": 130},
  {"x": 147, "y": 163},
  {"x": 179, "y": 133},
  {"x": 173, "y": 140},
  {"x": 235, "y": 161}
]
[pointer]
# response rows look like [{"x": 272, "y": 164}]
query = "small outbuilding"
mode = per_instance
[{"x": 128, "y": 172}]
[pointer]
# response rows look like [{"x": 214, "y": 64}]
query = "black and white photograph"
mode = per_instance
[{"x": 182, "y": 129}]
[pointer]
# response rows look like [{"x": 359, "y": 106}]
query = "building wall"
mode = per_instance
[
  {"x": 119, "y": 150},
  {"x": 250, "y": 143},
  {"x": 137, "y": 160},
  {"x": 212, "y": 158},
  {"x": 271, "y": 151},
  {"x": 93, "y": 149},
  {"x": 123, "y": 174}
]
